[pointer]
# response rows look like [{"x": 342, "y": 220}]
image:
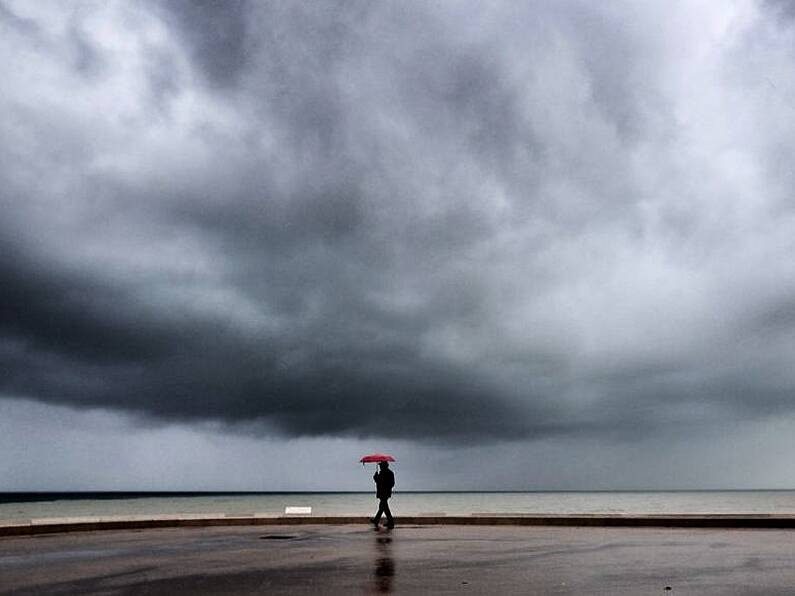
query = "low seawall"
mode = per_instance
[{"x": 90, "y": 524}]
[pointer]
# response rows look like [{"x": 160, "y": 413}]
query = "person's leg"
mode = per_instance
[
  {"x": 377, "y": 517},
  {"x": 390, "y": 521}
]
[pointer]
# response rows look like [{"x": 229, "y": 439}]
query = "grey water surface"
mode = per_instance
[{"x": 76, "y": 504}]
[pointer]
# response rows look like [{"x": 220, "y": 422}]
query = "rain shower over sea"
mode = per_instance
[{"x": 15, "y": 506}]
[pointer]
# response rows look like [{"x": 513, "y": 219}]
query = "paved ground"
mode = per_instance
[{"x": 409, "y": 560}]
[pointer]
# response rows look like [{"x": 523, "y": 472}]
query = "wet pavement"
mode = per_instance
[{"x": 408, "y": 560}]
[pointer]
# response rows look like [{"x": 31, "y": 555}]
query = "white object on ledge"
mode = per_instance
[{"x": 298, "y": 511}]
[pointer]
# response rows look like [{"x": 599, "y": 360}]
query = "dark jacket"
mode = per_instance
[{"x": 384, "y": 481}]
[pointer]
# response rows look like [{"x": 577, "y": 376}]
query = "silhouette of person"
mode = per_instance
[{"x": 384, "y": 481}]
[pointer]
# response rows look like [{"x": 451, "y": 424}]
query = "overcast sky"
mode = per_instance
[{"x": 519, "y": 244}]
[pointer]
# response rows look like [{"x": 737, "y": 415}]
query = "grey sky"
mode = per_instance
[{"x": 487, "y": 231}]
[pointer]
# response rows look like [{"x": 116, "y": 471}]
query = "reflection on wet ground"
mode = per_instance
[
  {"x": 384, "y": 569},
  {"x": 331, "y": 560}
]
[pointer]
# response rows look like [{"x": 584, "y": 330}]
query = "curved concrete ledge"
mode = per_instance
[{"x": 697, "y": 520}]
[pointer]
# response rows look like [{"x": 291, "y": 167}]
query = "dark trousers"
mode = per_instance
[{"x": 383, "y": 507}]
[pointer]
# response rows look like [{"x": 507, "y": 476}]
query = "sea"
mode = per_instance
[{"x": 17, "y": 505}]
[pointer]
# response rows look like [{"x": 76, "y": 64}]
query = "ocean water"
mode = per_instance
[{"x": 40, "y": 505}]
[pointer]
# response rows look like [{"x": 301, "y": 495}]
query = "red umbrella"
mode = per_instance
[{"x": 375, "y": 458}]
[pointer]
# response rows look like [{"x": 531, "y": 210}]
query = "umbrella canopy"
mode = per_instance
[{"x": 376, "y": 457}]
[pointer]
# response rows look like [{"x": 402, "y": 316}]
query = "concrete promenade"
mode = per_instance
[
  {"x": 21, "y": 527},
  {"x": 347, "y": 559}
]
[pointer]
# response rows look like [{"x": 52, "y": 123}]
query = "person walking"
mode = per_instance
[{"x": 384, "y": 482}]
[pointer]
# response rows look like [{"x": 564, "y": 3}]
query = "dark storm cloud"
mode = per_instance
[
  {"x": 216, "y": 34},
  {"x": 10, "y": 19},
  {"x": 405, "y": 219},
  {"x": 786, "y": 7}
]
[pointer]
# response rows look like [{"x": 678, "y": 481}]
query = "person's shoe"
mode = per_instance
[
  {"x": 389, "y": 526},
  {"x": 374, "y": 521}
]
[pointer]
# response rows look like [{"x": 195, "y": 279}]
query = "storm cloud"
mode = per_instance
[{"x": 440, "y": 221}]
